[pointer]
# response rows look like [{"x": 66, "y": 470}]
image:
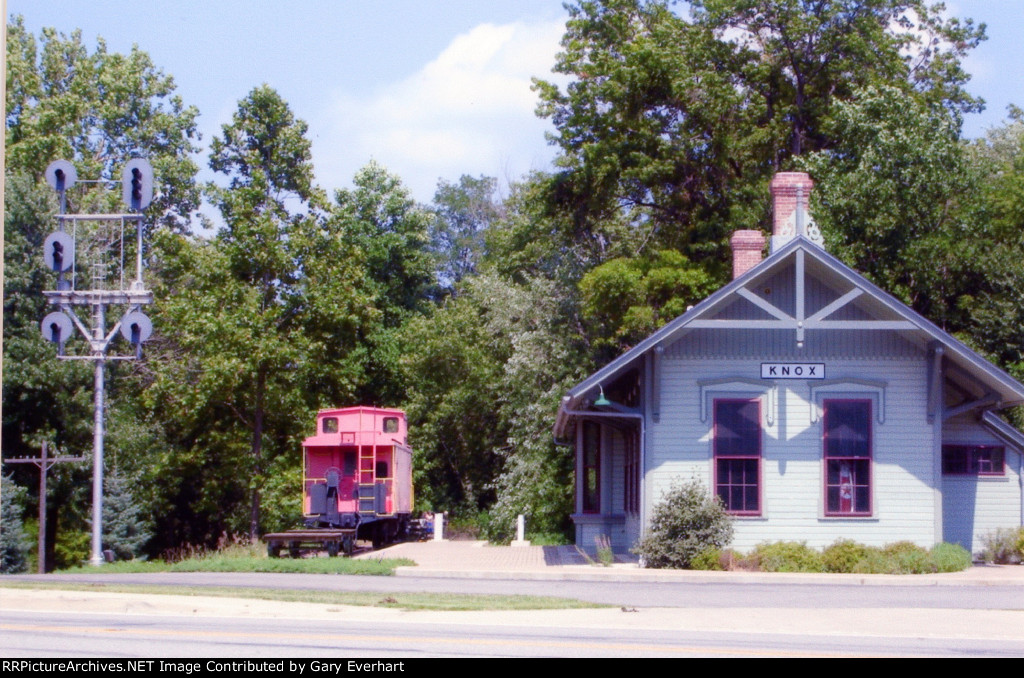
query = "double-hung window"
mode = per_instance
[
  {"x": 737, "y": 452},
  {"x": 847, "y": 457}
]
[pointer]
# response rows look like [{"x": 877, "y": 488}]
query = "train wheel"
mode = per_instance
[
  {"x": 273, "y": 550},
  {"x": 293, "y": 549},
  {"x": 347, "y": 545},
  {"x": 332, "y": 548}
]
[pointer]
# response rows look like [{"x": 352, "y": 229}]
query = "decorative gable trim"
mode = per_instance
[{"x": 738, "y": 386}]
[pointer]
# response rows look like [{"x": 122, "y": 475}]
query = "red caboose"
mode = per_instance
[{"x": 357, "y": 481}]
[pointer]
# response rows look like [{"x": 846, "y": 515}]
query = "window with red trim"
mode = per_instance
[
  {"x": 973, "y": 460},
  {"x": 737, "y": 451},
  {"x": 591, "y": 467},
  {"x": 847, "y": 457}
]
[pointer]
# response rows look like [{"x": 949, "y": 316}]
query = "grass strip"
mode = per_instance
[
  {"x": 232, "y": 563},
  {"x": 401, "y": 601}
]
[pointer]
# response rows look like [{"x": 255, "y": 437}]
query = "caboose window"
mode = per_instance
[
  {"x": 390, "y": 424},
  {"x": 330, "y": 425}
]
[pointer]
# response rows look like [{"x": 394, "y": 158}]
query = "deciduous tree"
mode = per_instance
[
  {"x": 678, "y": 123},
  {"x": 264, "y": 318}
]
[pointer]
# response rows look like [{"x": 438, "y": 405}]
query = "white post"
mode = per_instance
[
  {"x": 439, "y": 526},
  {"x": 520, "y": 531}
]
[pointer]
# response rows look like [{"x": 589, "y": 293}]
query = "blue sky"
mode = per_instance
[{"x": 429, "y": 90}]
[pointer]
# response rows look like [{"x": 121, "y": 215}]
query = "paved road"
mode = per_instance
[
  {"x": 974, "y": 613},
  {"x": 89, "y": 624},
  {"x": 791, "y": 592}
]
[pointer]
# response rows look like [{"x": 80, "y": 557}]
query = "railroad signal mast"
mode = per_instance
[{"x": 88, "y": 252}]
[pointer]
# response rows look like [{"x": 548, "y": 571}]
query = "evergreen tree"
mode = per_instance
[
  {"x": 13, "y": 548},
  {"x": 126, "y": 527}
]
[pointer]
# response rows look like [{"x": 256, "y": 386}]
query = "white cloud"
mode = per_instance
[{"x": 469, "y": 111}]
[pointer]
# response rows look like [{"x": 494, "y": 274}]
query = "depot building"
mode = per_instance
[{"x": 813, "y": 403}]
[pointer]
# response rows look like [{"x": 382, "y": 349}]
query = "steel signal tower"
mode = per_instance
[{"x": 88, "y": 251}]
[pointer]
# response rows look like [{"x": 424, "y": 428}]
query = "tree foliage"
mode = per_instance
[
  {"x": 99, "y": 110},
  {"x": 995, "y": 306},
  {"x": 13, "y": 547},
  {"x": 258, "y": 315},
  {"x": 380, "y": 220},
  {"x": 126, "y": 524},
  {"x": 679, "y": 123},
  {"x": 624, "y": 300},
  {"x": 380, "y": 217},
  {"x": 890, "y": 201},
  {"x": 486, "y": 371},
  {"x": 464, "y": 212}
]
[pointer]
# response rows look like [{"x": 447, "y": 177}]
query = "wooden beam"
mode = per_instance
[
  {"x": 764, "y": 305},
  {"x": 837, "y": 304}
]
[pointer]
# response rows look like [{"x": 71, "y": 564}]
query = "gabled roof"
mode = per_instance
[{"x": 888, "y": 312}]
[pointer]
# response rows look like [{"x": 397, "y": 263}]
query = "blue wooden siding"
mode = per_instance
[
  {"x": 973, "y": 506},
  {"x": 903, "y": 472}
]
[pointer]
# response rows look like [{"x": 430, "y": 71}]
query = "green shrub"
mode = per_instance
[
  {"x": 787, "y": 556},
  {"x": 950, "y": 557},
  {"x": 907, "y": 558},
  {"x": 901, "y": 557},
  {"x": 873, "y": 562},
  {"x": 686, "y": 522},
  {"x": 843, "y": 555},
  {"x": 1004, "y": 545},
  {"x": 708, "y": 559}
]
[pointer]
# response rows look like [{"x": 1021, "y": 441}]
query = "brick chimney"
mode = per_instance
[
  {"x": 790, "y": 191},
  {"x": 746, "y": 251}
]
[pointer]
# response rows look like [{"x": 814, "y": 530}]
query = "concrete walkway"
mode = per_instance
[{"x": 477, "y": 559}]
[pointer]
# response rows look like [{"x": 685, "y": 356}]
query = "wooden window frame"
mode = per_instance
[
  {"x": 863, "y": 466},
  {"x": 974, "y": 464},
  {"x": 590, "y": 496},
  {"x": 631, "y": 472},
  {"x": 725, "y": 487}
]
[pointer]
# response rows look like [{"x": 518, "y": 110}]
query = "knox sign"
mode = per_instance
[{"x": 792, "y": 370}]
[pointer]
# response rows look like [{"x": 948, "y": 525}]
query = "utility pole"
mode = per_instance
[{"x": 44, "y": 463}]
